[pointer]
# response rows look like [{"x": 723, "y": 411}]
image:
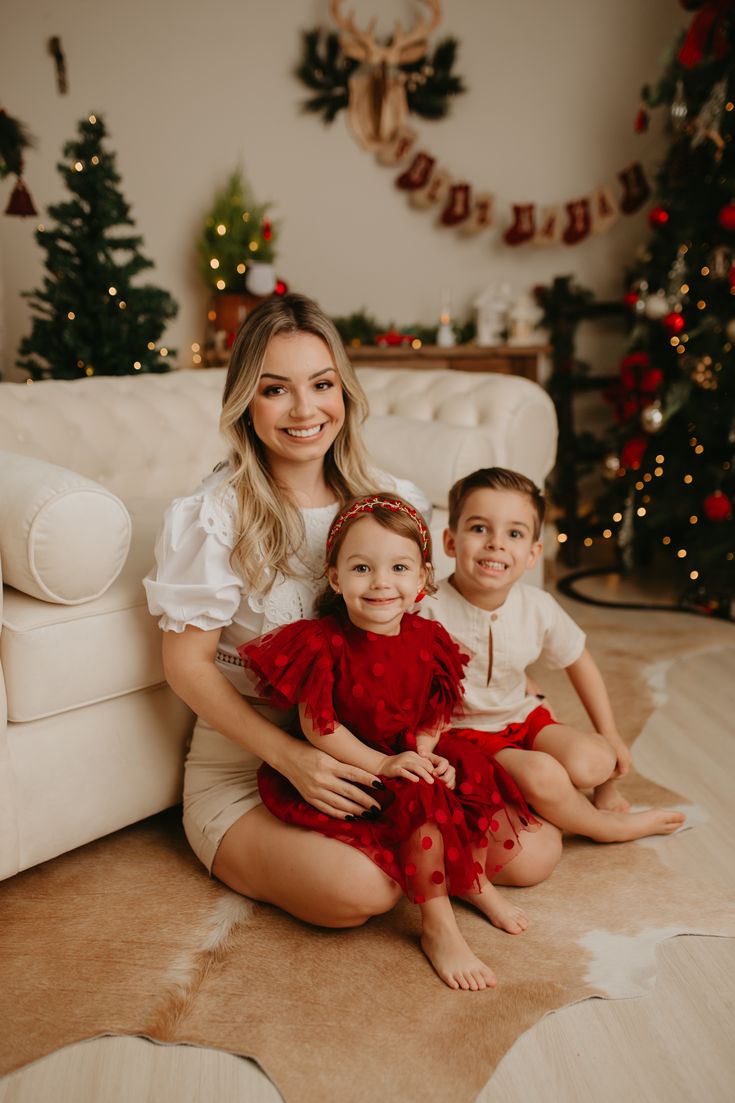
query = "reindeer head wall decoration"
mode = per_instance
[
  {"x": 378, "y": 108},
  {"x": 379, "y": 83}
]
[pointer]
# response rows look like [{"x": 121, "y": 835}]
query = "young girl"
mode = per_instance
[{"x": 374, "y": 685}]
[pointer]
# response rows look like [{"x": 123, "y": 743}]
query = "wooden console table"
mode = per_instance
[{"x": 525, "y": 360}]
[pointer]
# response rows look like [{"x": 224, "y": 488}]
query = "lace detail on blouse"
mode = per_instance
[{"x": 292, "y": 599}]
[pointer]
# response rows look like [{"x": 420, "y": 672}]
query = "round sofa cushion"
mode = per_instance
[{"x": 63, "y": 537}]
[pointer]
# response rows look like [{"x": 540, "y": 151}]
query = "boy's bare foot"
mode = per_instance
[
  {"x": 453, "y": 960},
  {"x": 608, "y": 798},
  {"x": 621, "y": 827},
  {"x": 499, "y": 910}
]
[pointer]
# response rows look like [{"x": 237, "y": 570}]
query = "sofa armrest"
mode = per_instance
[{"x": 63, "y": 537}]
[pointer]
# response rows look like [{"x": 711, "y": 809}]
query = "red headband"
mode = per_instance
[{"x": 368, "y": 505}]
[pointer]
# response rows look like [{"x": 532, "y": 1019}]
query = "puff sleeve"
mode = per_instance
[
  {"x": 445, "y": 689},
  {"x": 293, "y": 666},
  {"x": 193, "y": 581}
]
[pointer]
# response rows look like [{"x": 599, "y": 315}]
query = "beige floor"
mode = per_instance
[{"x": 675, "y": 1045}]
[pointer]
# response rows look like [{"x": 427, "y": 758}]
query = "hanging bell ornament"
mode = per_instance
[
  {"x": 652, "y": 417},
  {"x": 679, "y": 109},
  {"x": 20, "y": 202},
  {"x": 610, "y": 466}
]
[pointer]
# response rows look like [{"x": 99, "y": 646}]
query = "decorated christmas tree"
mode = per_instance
[
  {"x": 89, "y": 317},
  {"x": 670, "y": 464},
  {"x": 237, "y": 231}
]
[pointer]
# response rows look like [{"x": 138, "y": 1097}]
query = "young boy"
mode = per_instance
[{"x": 495, "y": 519}]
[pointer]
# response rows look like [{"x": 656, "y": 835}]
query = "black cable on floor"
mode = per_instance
[{"x": 565, "y": 586}]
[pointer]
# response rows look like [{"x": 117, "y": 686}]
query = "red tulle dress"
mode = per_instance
[{"x": 384, "y": 689}]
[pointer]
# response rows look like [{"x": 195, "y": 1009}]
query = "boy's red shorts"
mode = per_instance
[{"x": 520, "y": 736}]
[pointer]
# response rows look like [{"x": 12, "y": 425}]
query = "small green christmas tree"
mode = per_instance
[
  {"x": 236, "y": 232},
  {"x": 89, "y": 318},
  {"x": 672, "y": 497}
]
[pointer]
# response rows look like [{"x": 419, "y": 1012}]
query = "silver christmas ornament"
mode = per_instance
[
  {"x": 610, "y": 465},
  {"x": 656, "y": 306},
  {"x": 652, "y": 417}
]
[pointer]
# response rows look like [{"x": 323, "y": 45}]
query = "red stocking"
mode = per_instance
[
  {"x": 434, "y": 192},
  {"x": 635, "y": 188},
  {"x": 580, "y": 221},
  {"x": 523, "y": 227},
  {"x": 457, "y": 208},
  {"x": 417, "y": 173}
]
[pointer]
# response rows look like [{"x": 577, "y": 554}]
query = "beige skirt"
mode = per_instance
[{"x": 220, "y": 785}]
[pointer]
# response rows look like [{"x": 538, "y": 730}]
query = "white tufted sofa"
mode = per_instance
[{"x": 91, "y": 739}]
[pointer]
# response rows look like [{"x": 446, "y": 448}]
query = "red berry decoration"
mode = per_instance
[
  {"x": 633, "y": 451},
  {"x": 641, "y": 121},
  {"x": 726, "y": 217},
  {"x": 674, "y": 322},
  {"x": 651, "y": 380},
  {"x": 717, "y": 507},
  {"x": 631, "y": 298},
  {"x": 658, "y": 216}
]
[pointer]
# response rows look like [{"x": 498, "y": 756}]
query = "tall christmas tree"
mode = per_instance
[
  {"x": 671, "y": 489},
  {"x": 90, "y": 319}
]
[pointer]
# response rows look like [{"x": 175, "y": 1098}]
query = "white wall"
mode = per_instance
[{"x": 188, "y": 89}]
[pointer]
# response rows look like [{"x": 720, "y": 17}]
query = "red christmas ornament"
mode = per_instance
[
  {"x": 674, "y": 322},
  {"x": 726, "y": 217},
  {"x": 658, "y": 216},
  {"x": 630, "y": 298},
  {"x": 630, "y": 368},
  {"x": 651, "y": 380},
  {"x": 267, "y": 230},
  {"x": 633, "y": 451},
  {"x": 717, "y": 507},
  {"x": 281, "y": 287},
  {"x": 641, "y": 121}
]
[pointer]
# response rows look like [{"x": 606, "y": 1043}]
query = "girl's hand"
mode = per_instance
[
  {"x": 443, "y": 769},
  {"x": 408, "y": 764},
  {"x": 328, "y": 785}
]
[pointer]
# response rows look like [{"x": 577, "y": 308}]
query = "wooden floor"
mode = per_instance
[{"x": 676, "y": 1045}]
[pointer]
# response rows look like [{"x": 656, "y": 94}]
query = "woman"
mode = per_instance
[{"x": 243, "y": 554}]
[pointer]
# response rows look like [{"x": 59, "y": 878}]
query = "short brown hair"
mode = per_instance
[{"x": 496, "y": 478}]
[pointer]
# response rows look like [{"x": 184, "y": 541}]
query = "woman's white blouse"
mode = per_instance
[{"x": 193, "y": 581}]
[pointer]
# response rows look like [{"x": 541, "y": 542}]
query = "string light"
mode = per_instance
[
  {"x": 214, "y": 263},
  {"x": 195, "y": 347},
  {"x": 112, "y": 290},
  {"x": 212, "y": 315},
  {"x": 588, "y": 541},
  {"x": 197, "y": 358},
  {"x": 701, "y": 304},
  {"x": 705, "y": 270},
  {"x": 71, "y": 315},
  {"x": 78, "y": 166},
  {"x": 122, "y": 304},
  {"x": 164, "y": 352},
  {"x": 151, "y": 345},
  {"x": 659, "y": 459},
  {"x": 95, "y": 160},
  {"x": 416, "y": 343},
  {"x": 693, "y": 519},
  {"x": 666, "y": 540},
  {"x": 685, "y": 289},
  {"x": 246, "y": 216},
  {"x": 89, "y": 370},
  {"x": 693, "y": 575},
  {"x": 682, "y": 553},
  {"x": 658, "y": 471},
  {"x": 617, "y": 516},
  {"x": 562, "y": 538},
  {"x": 641, "y": 511},
  {"x": 688, "y": 479},
  {"x": 221, "y": 285},
  {"x": 93, "y": 119},
  {"x": 674, "y": 341},
  {"x": 253, "y": 246},
  {"x": 241, "y": 268},
  {"x": 221, "y": 229},
  {"x": 607, "y": 533},
  {"x": 137, "y": 365}
]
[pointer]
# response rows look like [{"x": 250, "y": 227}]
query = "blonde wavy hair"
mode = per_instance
[{"x": 270, "y": 531}]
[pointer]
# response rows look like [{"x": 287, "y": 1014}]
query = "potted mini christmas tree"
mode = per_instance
[
  {"x": 236, "y": 253},
  {"x": 672, "y": 458},
  {"x": 90, "y": 317}
]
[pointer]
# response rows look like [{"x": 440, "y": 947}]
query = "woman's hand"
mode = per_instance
[
  {"x": 328, "y": 785},
  {"x": 408, "y": 764}
]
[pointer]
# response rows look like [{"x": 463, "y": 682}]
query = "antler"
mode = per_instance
[{"x": 405, "y": 46}]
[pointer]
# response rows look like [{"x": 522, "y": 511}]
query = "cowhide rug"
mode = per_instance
[{"x": 129, "y": 936}]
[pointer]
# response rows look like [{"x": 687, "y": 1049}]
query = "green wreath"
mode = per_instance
[{"x": 326, "y": 70}]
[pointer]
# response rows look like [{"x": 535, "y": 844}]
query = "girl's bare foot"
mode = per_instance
[
  {"x": 621, "y": 827},
  {"x": 453, "y": 960},
  {"x": 498, "y": 909},
  {"x": 608, "y": 798}
]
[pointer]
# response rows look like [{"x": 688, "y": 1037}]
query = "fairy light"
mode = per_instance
[
  {"x": 647, "y": 477},
  {"x": 112, "y": 290},
  {"x": 666, "y": 540},
  {"x": 705, "y": 270},
  {"x": 246, "y": 216},
  {"x": 241, "y": 268},
  {"x": 196, "y": 358},
  {"x": 89, "y": 370},
  {"x": 639, "y": 485},
  {"x": 122, "y": 304},
  {"x": 682, "y": 553},
  {"x": 701, "y": 304},
  {"x": 137, "y": 365},
  {"x": 253, "y": 246},
  {"x": 212, "y": 315},
  {"x": 40, "y": 229},
  {"x": 688, "y": 479},
  {"x": 164, "y": 352},
  {"x": 196, "y": 347},
  {"x": 681, "y": 349},
  {"x": 71, "y": 315},
  {"x": 699, "y": 449},
  {"x": 93, "y": 119},
  {"x": 221, "y": 229},
  {"x": 562, "y": 538},
  {"x": 694, "y": 575},
  {"x": 221, "y": 285},
  {"x": 588, "y": 541},
  {"x": 151, "y": 345},
  {"x": 659, "y": 458},
  {"x": 674, "y": 341},
  {"x": 214, "y": 263},
  {"x": 607, "y": 533},
  {"x": 617, "y": 516},
  {"x": 95, "y": 160},
  {"x": 416, "y": 343},
  {"x": 693, "y": 519},
  {"x": 78, "y": 166},
  {"x": 641, "y": 511},
  {"x": 658, "y": 471},
  {"x": 684, "y": 289},
  {"x": 729, "y": 106}
]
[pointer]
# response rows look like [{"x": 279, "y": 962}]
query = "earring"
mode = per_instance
[{"x": 420, "y": 596}]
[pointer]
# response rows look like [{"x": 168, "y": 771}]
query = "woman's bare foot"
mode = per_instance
[
  {"x": 499, "y": 910},
  {"x": 453, "y": 960},
  {"x": 621, "y": 827},
  {"x": 608, "y": 798}
]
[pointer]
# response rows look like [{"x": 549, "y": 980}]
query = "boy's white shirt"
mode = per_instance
[{"x": 528, "y": 626}]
